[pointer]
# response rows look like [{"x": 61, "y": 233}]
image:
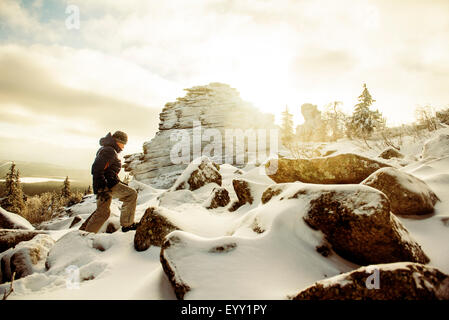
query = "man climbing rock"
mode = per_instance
[{"x": 107, "y": 184}]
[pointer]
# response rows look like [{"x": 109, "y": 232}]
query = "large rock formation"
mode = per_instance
[
  {"x": 408, "y": 195},
  {"x": 396, "y": 281},
  {"x": 10, "y": 220},
  {"x": 312, "y": 121},
  {"x": 341, "y": 169},
  {"x": 213, "y": 106}
]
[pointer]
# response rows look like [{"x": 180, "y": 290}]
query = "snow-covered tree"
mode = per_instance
[
  {"x": 13, "y": 195},
  {"x": 364, "y": 121},
  {"x": 287, "y": 134}
]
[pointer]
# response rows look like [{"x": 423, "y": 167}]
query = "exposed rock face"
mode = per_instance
[
  {"x": 408, "y": 195},
  {"x": 218, "y": 198},
  {"x": 246, "y": 192},
  {"x": 437, "y": 147},
  {"x": 397, "y": 281},
  {"x": 390, "y": 153},
  {"x": 341, "y": 169},
  {"x": 152, "y": 229},
  {"x": 9, "y": 220},
  {"x": 199, "y": 173},
  {"x": 214, "y": 106},
  {"x": 312, "y": 121},
  {"x": 26, "y": 258},
  {"x": 358, "y": 224},
  {"x": 11, "y": 237}
]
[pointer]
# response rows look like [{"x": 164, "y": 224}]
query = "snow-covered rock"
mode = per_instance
[
  {"x": 408, "y": 195},
  {"x": 247, "y": 192},
  {"x": 11, "y": 237},
  {"x": 219, "y": 197},
  {"x": 9, "y": 220},
  {"x": 396, "y": 281},
  {"x": 341, "y": 169},
  {"x": 389, "y": 153},
  {"x": 25, "y": 258},
  {"x": 198, "y": 173},
  {"x": 213, "y": 106},
  {"x": 152, "y": 229},
  {"x": 436, "y": 147}
]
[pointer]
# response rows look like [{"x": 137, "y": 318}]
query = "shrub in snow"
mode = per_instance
[
  {"x": 11, "y": 237},
  {"x": 152, "y": 229},
  {"x": 341, "y": 169},
  {"x": 390, "y": 153},
  {"x": 26, "y": 258},
  {"x": 396, "y": 281},
  {"x": 436, "y": 147},
  {"x": 408, "y": 195},
  {"x": 9, "y": 220}
]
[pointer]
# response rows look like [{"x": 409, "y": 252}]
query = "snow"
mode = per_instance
[{"x": 274, "y": 264}]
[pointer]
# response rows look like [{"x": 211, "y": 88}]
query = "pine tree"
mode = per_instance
[
  {"x": 88, "y": 190},
  {"x": 363, "y": 120},
  {"x": 14, "y": 197},
  {"x": 287, "y": 134},
  {"x": 65, "y": 191}
]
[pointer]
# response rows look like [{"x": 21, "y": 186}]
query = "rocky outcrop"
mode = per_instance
[
  {"x": 397, "y": 281},
  {"x": 408, "y": 195},
  {"x": 9, "y": 220},
  {"x": 357, "y": 222},
  {"x": 246, "y": 191},
  {"x": 312, "y": 121},
  {"x": 11, "y": 237},
  {"x": 213, "y": 106},
  {"x": 218, "y": 198},
  {"x": 152, "y": 229},
  {"x": 25, "y": 258},
  {"x": 390, "y": 153},
  {"x": 199, "y": 173},
  {"x": 341, "y": 169}
]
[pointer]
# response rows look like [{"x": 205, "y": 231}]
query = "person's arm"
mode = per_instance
[{"x": 99, "y": 166}]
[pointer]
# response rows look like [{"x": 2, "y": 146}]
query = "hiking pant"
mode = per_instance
[{"x": 124, "y": 193}]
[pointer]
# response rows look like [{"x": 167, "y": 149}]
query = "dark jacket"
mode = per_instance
[{"x": 107, "y": 165}]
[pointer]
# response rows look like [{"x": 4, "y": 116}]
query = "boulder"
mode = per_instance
[
  {"x": 218, "y": 198},
  {"x": 152, "y": 229},
  {"x": 396, "y": 281},
  {"x": 26, "y": 258},
  {"x": 341, "y": 169},
  {"x": 75, "y": 220},
  {"x": 408, "y": 195},
  {"x": 357, "y": 222},
  {"x": 436, "y": 147},
  {"x": 200, "y": 172},
  {"x": 9, "y": 220},
  {"x": 390, "y": 153},
  {"x": 246, "y": 191},
  {"x": 9, "y": 238}
]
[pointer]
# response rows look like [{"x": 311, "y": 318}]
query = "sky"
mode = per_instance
[{"x": 64, "y": 85}]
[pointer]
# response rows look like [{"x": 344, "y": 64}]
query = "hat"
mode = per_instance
[{"x": 120, "y": 136}]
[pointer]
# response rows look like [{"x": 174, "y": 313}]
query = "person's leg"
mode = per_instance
[
  {"x": 101, "y": 214},
  {"x": 129, "y": 198}
]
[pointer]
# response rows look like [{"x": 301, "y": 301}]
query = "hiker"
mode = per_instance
[{"x": 107, "y": 184}]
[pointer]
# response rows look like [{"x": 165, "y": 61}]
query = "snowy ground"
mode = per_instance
[{"x": 120, "y": 272}]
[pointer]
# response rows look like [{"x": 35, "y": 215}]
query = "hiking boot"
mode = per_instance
[{"x": 130, "y": 227}]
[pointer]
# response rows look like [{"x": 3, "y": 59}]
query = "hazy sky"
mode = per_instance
[{"x": 62, "y": 89}]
